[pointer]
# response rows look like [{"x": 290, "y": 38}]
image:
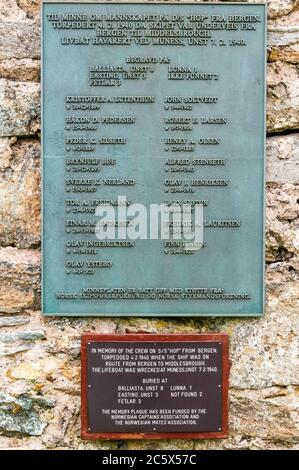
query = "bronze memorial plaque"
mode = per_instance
[
  {"x": 155, "y": 386},
  {"x": 153, "y": 158}
]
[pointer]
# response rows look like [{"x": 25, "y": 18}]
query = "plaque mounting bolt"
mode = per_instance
[
  {"x": 89, "y": 386},
  {"x": 219, "y": 429},
  {"x": 219, "y": 385}
]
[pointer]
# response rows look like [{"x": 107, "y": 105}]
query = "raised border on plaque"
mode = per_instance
[{"x": 257, "y": 313}]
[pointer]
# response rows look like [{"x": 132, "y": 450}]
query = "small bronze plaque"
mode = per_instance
[{"x": 154, "y": 386}]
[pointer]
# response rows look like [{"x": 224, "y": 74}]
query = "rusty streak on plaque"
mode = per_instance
[{"x": 144, "y": 386}]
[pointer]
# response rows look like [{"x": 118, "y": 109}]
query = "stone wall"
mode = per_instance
[{"x": 40, "y": 358}]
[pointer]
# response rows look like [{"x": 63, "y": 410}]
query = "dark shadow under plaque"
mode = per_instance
[{"x": 154, "y": 386}]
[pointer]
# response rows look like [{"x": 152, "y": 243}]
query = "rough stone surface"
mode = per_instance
[
  {"x": 21, "y": 414},
  {"x": 11, "y": 344},
  {"x": 283, "y": 159},
  {"x": 19, "y": 279},
  {"x": 19, "y": 108},
  {"x": 283, "y": 44},
  {"x": 283, "y": 38},
  {"x": 20, "y": 69},
  {"x": 280, "y": 8},
  {"x": 13, "y": 321},
  {"x": 9, "y": 9},
  {"x": 19, "y": 44},
  {"x": 19, "y": 174},
  {"x": 274, "y": 414},
  {"x": 264, "y": 352},
  {"x": 19, "y": 39},
  {"x": 283, "y": 97},
  {"x": 31, "y": 7},
  {"x": 282, "y": 223},
  {"x": 40, "y": 357}
]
